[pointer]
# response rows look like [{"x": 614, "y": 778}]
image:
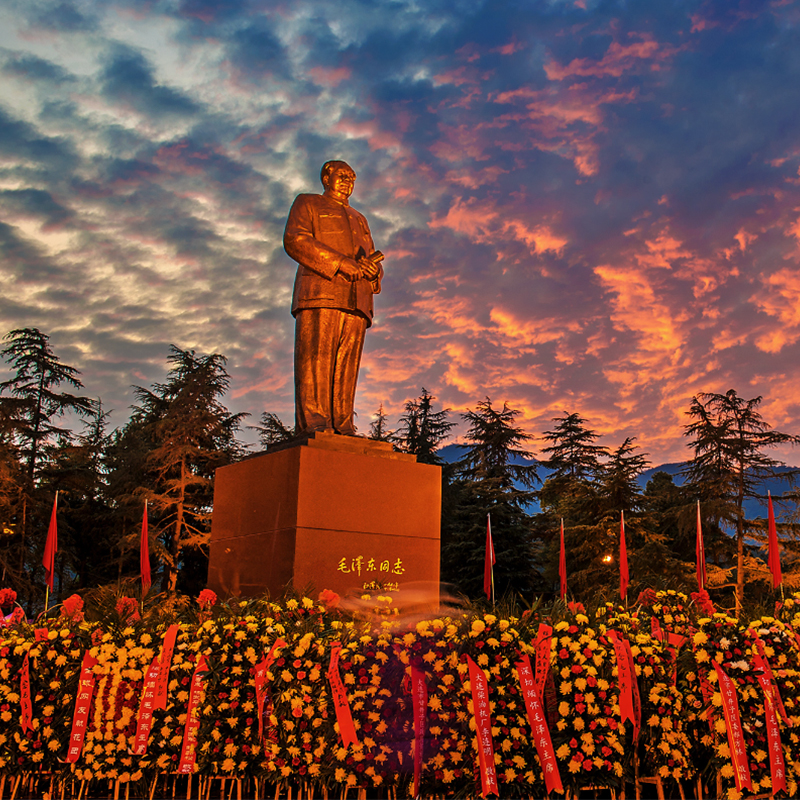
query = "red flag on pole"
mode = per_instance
[
  {"x": 623, "y": 558},
  {"x": 562, "y": 565},
  {"x": 489, "y": 562},
  {"x": 51, "y": 547},
  {"x": 144, "y": 554},
  {"x": 700, "y": 554},
  {"x": 774, "y": 557}
]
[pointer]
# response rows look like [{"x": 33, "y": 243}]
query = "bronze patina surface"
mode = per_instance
[{"x": 338, "y": 272}]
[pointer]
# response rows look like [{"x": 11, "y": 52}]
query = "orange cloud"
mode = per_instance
[
  {"x": 485, "y": 225},
  {"x": 779, "y": 298},
  {"x": 618, "y": 59}
]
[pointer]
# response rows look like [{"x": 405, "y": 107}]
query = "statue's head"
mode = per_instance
[{"x": 338, "y": 178}]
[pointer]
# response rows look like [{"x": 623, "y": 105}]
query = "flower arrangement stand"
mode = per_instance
[{"x": 610, "y": 791}]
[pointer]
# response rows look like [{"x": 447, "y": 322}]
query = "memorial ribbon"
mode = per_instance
[
  {"x": 344, "y": 717},
  {"x": 628, "y": 688},
  {"x": 83, "y": 705},
  {"x": 26, "y": 717},
  {"x": 162, "y": 685},
  {"x": 538, "y": 723},
  {"x": 144, "y": 719},
  {"x": 262, "y": 668},
  {"x": 542, "y": 645},
  {"x": 733, "y": 723},
  {"x": 761, "y": 662},
  {"x": 192, "y": 726},
  {"x": 777, "y": 766},
  {"x": 483, "y": 728},
  {"x": 420, "y": 704},
  {"x": 41, "y": 634}
]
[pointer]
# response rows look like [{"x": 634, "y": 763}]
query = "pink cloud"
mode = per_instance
[
  {"x": 618, "y": 59},
  {"x": 486, "y": 225},
  {"x": 330, "y": 77}
]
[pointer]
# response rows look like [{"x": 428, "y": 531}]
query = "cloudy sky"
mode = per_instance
[{"x": 585, "y": 206}]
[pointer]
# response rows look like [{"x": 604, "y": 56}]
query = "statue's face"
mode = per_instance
[{"x": 340, "y": 183}]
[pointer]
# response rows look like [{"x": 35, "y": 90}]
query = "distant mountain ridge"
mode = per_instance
[{"x": 753, "y": 508}]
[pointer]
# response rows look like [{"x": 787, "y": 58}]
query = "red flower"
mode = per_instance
[
  {"x": 7, "y": 597},
  {"x": 330, "y": 598},
  {"x": 128, "y": 609},
  {"x": 72, "y": 608},
  {"x": 206, "y": 599}
]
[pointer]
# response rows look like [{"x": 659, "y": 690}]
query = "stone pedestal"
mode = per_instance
[{"x": 332, "y": 512}]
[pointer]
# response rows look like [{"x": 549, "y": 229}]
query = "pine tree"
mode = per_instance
[
  {"x": 728, "y": 438},
  {"x": 422, "y": 430},
  {"x": 495, "y": 477},
  {"x": 272, "y": 430},
  {"x": 379, "y": 427},
  {"x": 33, "y": 393},
  {"x": 572, "y": 492},
  {"x": 187, "y": 434}
]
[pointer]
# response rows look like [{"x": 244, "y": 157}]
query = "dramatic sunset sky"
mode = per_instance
[{"x": 585, "y": 206}]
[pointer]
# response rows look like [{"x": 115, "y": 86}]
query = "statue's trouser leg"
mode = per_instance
[
  {"x": 348, "y": 360},
  {"x": 327, "y": 354}
]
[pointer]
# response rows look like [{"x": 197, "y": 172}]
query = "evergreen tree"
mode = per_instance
[
  {"x": 422, "y": 430},
  {"x": 379, "y": 427},
  {"x": 728, "y": 437},
  {"x": 178, "y": 435},
  {"x": 572, "y": 492},
  {"x": 272, "y": 430},
  {"x": 34, "y": 394},
  {"x": 494, "y": 477}
]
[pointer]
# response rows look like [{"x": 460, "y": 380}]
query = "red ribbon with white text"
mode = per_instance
[
  {"x": 777, "y": 766},
  {"x": 192, "y": 726},
  {"x": 26, "y": 718},
  {"x": 542, "y": 645},
  {"x": 262, "y": 668},
  {"x": 144, "y": 719},
  {"x": 538, "y": 723},
  {"x": 344, "y": 717},
  {"x": 628, "y": 688},
  {"x": 483, "y": 728},
  {"x": 162, "y": 683},
  {"x": 419, "y": 696},
  {"x": 733, "y": 723},
  {"x": 760, "y": 661},
  {"x": 83, "y": 705}
]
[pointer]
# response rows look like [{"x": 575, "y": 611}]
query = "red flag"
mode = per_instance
[
  {"x": 623, "y": 558},
  {"x": 51, "y": 547},
  {"x": 562, "y": 565},
  {"x": 144, "y": 554},
  {"x": 774, "y": 557},
  {"x": 489, "y": 562},
  {"x": 700, "y": 554}
]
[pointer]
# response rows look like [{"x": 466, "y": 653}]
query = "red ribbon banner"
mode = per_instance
[
  {"x": 26, "y": 718},
  {"x": 730, "y": 705},
  {"x": 483, "y": 728},
  {"x": 777, "y": 766},
  {"x": 761, "y": 662},
  {"x": 344, "y": 717},
  {"x": 192, "y": 726},
  {"x": 541, "y": 733},
  {"x": 41, "y": 634},
  {"x": 83, "y": 705},
  {"x": 260, "y": 680},
  {"x": 162, "y": 684},
  {"x": 420, "y": 703},
  {"x": 144, "y": 719},
  {"x": 628, "y": 687},
  {"x": 542, "y": 645}
]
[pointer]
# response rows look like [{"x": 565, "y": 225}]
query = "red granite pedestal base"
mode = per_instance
[{"x": 333, "y": 512}]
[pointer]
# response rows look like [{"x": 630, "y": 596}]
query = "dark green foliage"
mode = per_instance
[
  {"x": 379, "y": 427},
  {"x": 728, "y": 437},
  {"x": 494, "y": 477},
  {"x": 272, "y": 430},
  {"x": 422, "y": 430}
]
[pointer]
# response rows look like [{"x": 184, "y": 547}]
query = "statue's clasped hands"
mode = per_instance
[{"x": 366, "y": 267}]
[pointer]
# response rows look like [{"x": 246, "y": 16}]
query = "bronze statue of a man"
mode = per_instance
[{"x": 338, "y": 272}]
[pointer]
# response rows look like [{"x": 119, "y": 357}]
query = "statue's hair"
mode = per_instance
[{"x": 330, "y": 166}]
